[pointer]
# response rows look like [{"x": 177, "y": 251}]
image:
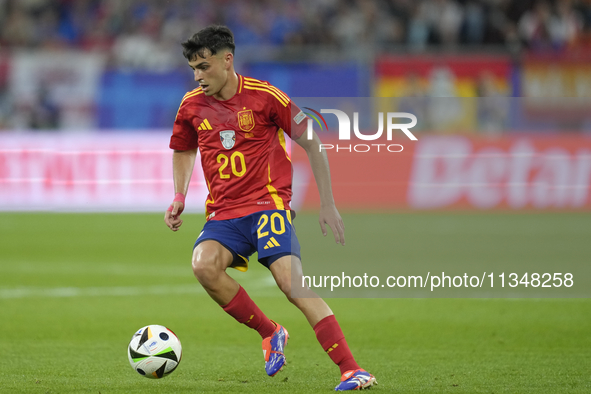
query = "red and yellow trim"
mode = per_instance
[
  {"x": 282, "y": 142},
  {"x": 255, "y": 84},
  {"x": 273, "y": 192},
  {"x": 193, "y": 93},
  {"x": 209, "y": 201}
]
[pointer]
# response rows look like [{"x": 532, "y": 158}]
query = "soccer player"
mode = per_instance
[{"x": 238, "y": 125}]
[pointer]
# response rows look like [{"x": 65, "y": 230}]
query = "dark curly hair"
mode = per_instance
[{"x": 214, "y": 38}]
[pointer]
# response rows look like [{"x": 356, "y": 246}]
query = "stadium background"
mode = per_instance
[
  {"x": 89, "y": 73},
  {"x": 88, "y": 93}
]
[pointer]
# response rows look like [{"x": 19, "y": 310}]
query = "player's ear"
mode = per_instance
[{"x": 228, "y": 60}]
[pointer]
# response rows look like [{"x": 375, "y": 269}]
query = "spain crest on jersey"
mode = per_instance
[
  {"x": 246, "y": 120},
  {"x": 228, "y": 138}
]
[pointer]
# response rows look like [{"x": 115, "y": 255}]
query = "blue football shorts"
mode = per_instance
[{"x": 270, "y": 233}]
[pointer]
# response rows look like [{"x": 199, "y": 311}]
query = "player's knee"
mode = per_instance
[
  {"x": 284, "y": 283},
  {"x": 206, "y": 268}
]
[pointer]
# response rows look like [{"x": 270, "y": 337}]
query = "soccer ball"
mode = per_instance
[{"x": 154, "y": 351}]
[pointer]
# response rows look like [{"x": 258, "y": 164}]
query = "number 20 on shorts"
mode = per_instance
[{"x": 277, "y": 224}]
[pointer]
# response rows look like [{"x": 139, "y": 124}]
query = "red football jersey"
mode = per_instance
[{"x": 242, "y": 145}]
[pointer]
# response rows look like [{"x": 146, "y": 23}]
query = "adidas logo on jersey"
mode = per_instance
[
  {"x": 205, "y": 126},
  {"x": 272, "y": 243}
]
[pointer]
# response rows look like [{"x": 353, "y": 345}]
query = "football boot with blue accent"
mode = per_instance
[
  {"x": 357, "y": 379},
  {"x": 273, "y": 348}
]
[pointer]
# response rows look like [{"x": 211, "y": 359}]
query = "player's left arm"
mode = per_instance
[
  {"x": 282, "y": 113},
  {"x": 329, "y": 215}
]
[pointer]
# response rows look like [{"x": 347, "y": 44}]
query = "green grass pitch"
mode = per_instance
[{"x": 75, "y": 287}]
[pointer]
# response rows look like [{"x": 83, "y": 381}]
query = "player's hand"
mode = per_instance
[
  {"x": 172, "y": 215},
  {"x": 330, "y": 215}
]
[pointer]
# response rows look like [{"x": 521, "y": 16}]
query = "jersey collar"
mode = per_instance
[{"x": 240, "y": 83}]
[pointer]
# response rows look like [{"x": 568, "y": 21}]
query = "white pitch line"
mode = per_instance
[
  {"x": 65, "y": 292},
  {"x": 121, "y": 269},
  {"x": 122, "y": 291}
]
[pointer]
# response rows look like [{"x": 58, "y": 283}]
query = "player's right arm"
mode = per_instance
[
  {"x": 184, "y": 142},
  {"x": 182, "y": 167}
]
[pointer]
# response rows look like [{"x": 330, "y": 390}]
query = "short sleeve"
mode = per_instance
[
  {"x": 289, "y": 117},
  {"x": 184, "y": 135}
]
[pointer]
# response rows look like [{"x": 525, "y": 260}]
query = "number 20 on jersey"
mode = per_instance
[{"x": 236, "y": 162}]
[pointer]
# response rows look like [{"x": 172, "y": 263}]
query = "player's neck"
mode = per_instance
[{"x": 229, "y": 89}]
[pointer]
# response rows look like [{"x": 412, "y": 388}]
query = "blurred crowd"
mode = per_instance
[
  {"x": 52, "y": 92},
  {"x": 132, "y": 28}
]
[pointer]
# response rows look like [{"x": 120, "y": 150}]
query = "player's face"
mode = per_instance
[{"x": 212, "y": 71}]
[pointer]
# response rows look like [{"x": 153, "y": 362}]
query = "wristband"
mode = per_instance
[{"x": 179, "y": 197}]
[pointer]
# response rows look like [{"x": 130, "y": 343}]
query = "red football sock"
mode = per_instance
[
  {"x": 244, "y": 310},
  {"x": 333, "y": 342}
]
